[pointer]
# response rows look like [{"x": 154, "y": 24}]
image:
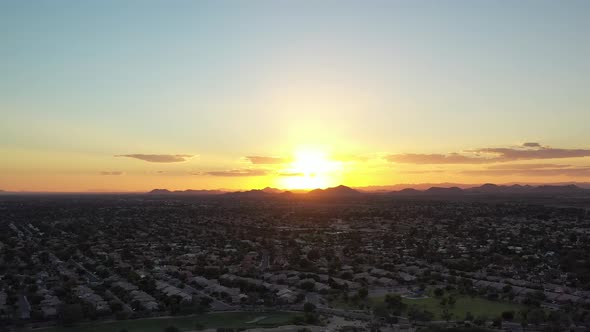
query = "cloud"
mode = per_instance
[
  {"x": 511, "y": 154},
  {"x": 159, "y": 158},
  {"x": 526, "y": 151},
  {"x": 239, "y": 172},
  {"x": 263, "y": 160},
  {"x": 452, "y": 158},
  {"x": 290, "y": 174},
  {"x": 111, "y": 173},
  {"x": 531, "y": 145},
  {"x": 422, "y": 171},
  {"x": 572, "y": 172},
  {"x": 526, "y": 166}
]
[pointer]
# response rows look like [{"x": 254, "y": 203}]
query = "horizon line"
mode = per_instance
[{"x": 304, "y": 190}]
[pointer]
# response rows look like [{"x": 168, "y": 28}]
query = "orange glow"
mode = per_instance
[{"x": 311, "y": 168}]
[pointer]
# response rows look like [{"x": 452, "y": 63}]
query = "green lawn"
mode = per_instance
[
  {"x": 477, "y": 306},
  {"x": 212, "y": 320}
]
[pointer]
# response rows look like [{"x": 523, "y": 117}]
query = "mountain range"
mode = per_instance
[{"x": 344, "y": 191}]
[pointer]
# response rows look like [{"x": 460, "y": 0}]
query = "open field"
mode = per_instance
[
  {"x": 212, "y": 320},
  {"x": 477, "y": 306}
]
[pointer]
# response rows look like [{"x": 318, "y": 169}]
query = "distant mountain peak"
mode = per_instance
[
  {"x": 441, "y": 190},
  {"x": 160, "y": 191},
  {"x": 272, "y": 190},
  {"x": 340, "y": 190},
  {"x": 489, "y": 185}
]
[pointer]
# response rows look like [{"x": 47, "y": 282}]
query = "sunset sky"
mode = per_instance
[{"x": 136, "y": 95}]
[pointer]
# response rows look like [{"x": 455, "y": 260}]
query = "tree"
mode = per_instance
[
  {"x": 309, "y": 307},
  {"x": 497, "y": 322},
  {"x": 380, "y": 311},
  {"x": 536, "y": 316},
  {"x": 308, "y": 285},
  {"x": 451, "y": 301},
  {"x": 313, "y": 255},
  {"x": 374, "y": 327},
  {"x": 172, "y": 329},
  {"x": 469, "y": 316},
  {"x": 416, "y": 314},
  {"x": 311, "y": 318},
  {"x": 508, "y": 315},
  {"x": 446, "y": 315},
  {"x": 394, "y": 303},
  {"x": 363, "y": 293},
  {"x": 480, "y": 320},
  {"x": 116, "y": 306},
  {"x": 70, "y": 314},
  {"x": 438, "y": 292},
  {"x": 121, "y": 315}
]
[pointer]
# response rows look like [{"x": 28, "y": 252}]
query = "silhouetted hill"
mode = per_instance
[
  {"x": 444, "y": 191},
  {"x": 160, "y": 191},
  {"x": 488, "y": 188},
  {"x": 272, "y": 190},
  {"x": 409, "y": 191},
  {"x": 203, "y": 192},
  {"x": 493, "y": 189},
  {"x": 250, "y": 193},
  {"x": 567, "y": 189},
  {"x": 344, "y": 191},
  {"x": 340, "y": 191}
]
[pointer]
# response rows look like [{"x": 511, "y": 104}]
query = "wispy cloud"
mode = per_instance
[
  {"x": 159, "y": 158},
  {"x": 526, "y": 151},
  {"x": 527, "y": 166},
  {"x": 573, "y": 172},
  {"x": 532, "y": 145},
  {"x": 264, "y": 160},
  {"x": 290, "y": 174},
  {"x": 451, "y": 158},
  {"x": 239, "y": 172},
  {"x": 422, "y": 171},
  {"x": 510, "y": 154},
  {"x": 111, "y": 173}
]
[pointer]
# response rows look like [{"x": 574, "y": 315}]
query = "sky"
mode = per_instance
[{"x": 136, "y": 95}]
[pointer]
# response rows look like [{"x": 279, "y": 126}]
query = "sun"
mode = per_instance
[{"x": 310, "y": 169}]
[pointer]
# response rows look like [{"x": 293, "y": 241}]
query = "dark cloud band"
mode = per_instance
[
  {"x": 527, "y": 151},
  {"x": 159, "y": 158}
]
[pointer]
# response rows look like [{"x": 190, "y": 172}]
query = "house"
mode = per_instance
[
  {"x": 49, "y": 306},
  {"x": 170, "y": 291},
  {"x": 87, "y": 295},
  {"x": 286, "y": 295},
  {"x": 128, "y": 287},
  {"x": 145, "y": 300}
]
